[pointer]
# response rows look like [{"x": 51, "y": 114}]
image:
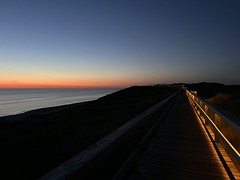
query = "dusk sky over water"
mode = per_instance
[{"x": 99, "y": 43}]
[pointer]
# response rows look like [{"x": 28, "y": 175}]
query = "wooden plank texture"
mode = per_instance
[{"x": 180, "y": 149}]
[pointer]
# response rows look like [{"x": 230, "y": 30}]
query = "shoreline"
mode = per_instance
[
  {"x": 46, "y": 109},
  {"x": 41, "y": 111}
]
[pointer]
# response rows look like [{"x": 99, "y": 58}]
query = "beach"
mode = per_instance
[{"x": 17, "y": 101}]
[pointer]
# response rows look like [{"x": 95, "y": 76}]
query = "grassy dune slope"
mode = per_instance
[
  {"x": 228, "y": 102},
  {"x": 225, "y": 97},
  {"x": 36, "y": 144}
]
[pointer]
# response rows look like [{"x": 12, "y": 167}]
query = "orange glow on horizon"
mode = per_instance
[
  {"x": 31, "y": 80},
  {"x": 63, "y": 84}
]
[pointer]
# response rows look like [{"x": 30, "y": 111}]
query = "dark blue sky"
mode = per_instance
[{"x": 118, "y": 43}]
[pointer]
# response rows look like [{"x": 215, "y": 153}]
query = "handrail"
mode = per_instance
[
  {"x": 82, "y": 161},
  {"x": 131, "y": 162},
  {"x": 227, "y": 133}
]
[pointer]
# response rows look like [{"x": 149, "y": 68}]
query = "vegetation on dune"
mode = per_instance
[
  {"x": 36, "y": 144},
  {"x": 227, "y": 102},
  {"x": 226, "y": 97}
]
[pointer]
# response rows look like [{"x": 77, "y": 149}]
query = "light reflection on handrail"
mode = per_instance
[
  {"x": 216, "y": 128},
  {"x": 229, "y": 147}
]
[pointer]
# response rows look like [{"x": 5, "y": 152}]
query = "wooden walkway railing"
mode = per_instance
[
  {"x": 181, "y": 149},
  {"x": 224, "y": 132},
  {"x": 84, "y": 164}
]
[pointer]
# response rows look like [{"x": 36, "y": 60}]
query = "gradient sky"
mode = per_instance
[{"x": 88, "y": 43}]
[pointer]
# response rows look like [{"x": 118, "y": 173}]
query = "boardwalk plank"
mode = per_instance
[{"x": 180, "y": 149}]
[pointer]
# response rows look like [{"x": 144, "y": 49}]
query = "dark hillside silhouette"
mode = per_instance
[{"x": 38, "y": 143}]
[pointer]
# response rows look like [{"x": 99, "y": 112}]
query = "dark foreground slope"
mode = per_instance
[
  {"x": 36, "y": 144},
  {"x": 226, "y": 97}
]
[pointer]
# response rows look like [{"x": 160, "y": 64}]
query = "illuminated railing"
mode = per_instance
[{"x": 226, "y": 131}]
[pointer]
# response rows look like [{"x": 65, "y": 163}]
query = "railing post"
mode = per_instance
[
  {"x": 211, "y": 115},
  {"x": 226, "y": 131},
  {"x": 217, "y": 123},
  {"x": 207, "y": 111}
]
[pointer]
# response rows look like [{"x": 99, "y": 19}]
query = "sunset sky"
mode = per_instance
[{"x": 118, "y": 43}]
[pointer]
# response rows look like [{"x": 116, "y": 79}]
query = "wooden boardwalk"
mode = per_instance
[{"x": 180, "y": 149}]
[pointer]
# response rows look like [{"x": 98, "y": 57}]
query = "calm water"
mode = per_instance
[{"x": 14, "y": 101}]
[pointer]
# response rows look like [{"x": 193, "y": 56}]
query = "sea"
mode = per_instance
[{"x": 16, "y": 101}]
